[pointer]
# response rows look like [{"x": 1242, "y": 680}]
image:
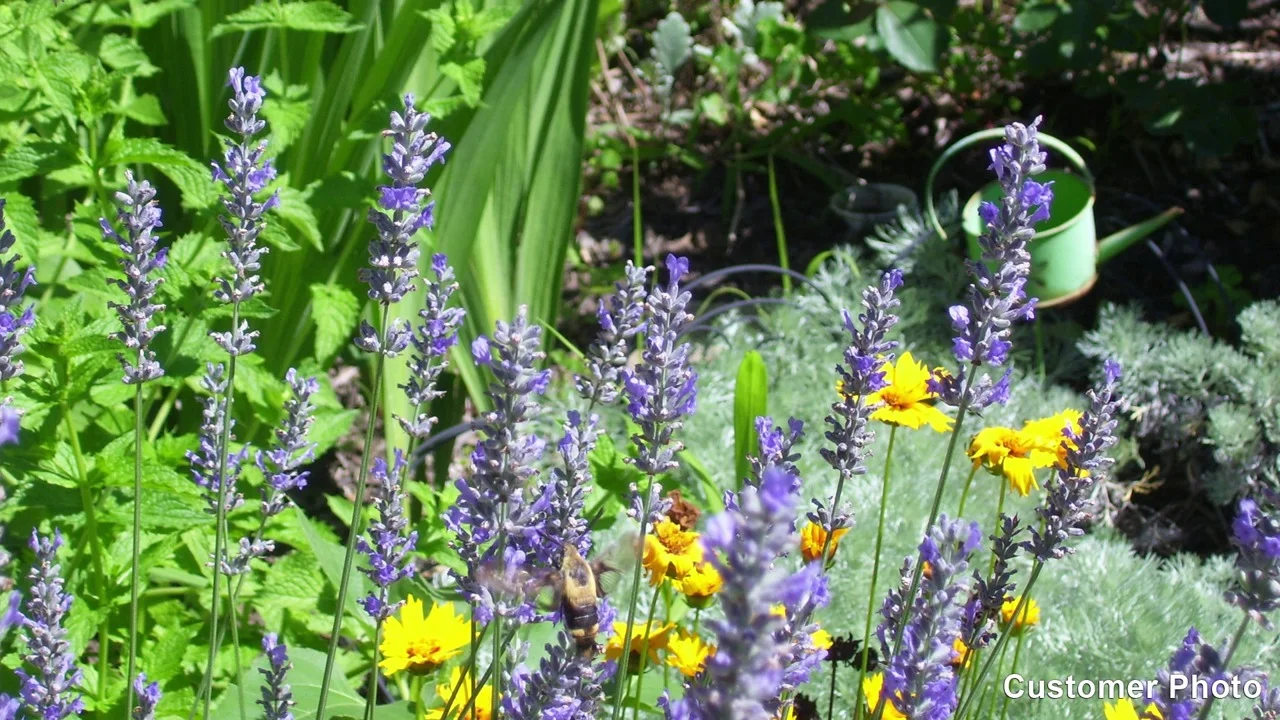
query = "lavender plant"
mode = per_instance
[
  {"x": 49, "y": 690},
  {"x": 402, "y": 210},
  {"x": 148, "y": 695},
  {"x": 15, "y": 320},
  {"x": 277, "y": 696},
  {"x": 661, "y": 391},
  {"x": 139, "y": 213}
]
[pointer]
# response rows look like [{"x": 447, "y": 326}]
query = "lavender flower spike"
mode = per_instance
[
  {"x": 140, "y": 215},
  {"x": 244, "y": 173},
  {"x": 755, "y": 658},
  {"x": 10, "y": 424},
  {"x": 998, "y": 299},
  {"x": 920, "y": 679},
  {"x": 503, "y": 464},
  {"x": 148, "y": 695},
  {"x": 1257, "y": 537},
  {"x": 281, "y": 466},
  {"x": 1194, "y": 661},
  {"x": 9, "y": 707},
  {"x": 49, "y": 691},
  {"x": 204, "y": 461},
  {"x": 621, "y": 317},
  {"x": 389, "y": 545},
  {"x": 431, "y": 342},
  {"x": 859, "y": 377},
  {"x": 403, "y": 210},
  {"x": 15, "y": 321},
  {"x": 1066, "y": 503},
  {"x": 277, "y": 696},
  {"x": 662, "y": 389},
  {"x": 566, "y": 686}
]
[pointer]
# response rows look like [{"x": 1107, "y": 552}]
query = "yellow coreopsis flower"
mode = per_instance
[
  {"x": 1015, "y": 454},
  {"x": 688, "y": 654},
  {"x": 483, "y": 708},
  {"x": 907, "y": 400},
  {"x": 700, "y": 584},
  {"x": 962, "y": 657},
  {"x": 813, "y": 536},
  {"x": 871, "y": 688},
  {"x": 1029, "y": 617},
  {"x": 1123, "y": 709},
  {"x": 657, "y": 639},
  {"x": 419, "y": 643},
  {"x": 670, "y": 551},
  {"x": 1051, "y": 428},
  {"x": 822, "y": 639}
]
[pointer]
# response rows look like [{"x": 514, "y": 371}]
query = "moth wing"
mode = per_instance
[{"x": 614, "y": 564}]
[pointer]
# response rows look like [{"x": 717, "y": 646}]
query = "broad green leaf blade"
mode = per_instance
[
  {"x": 750, "y": 401},
  {"x": 319, "y": 16},
  {"x": 910, "y": 35},
  {"x": 672, "y": 43},
  {"x": 335, "y": 311},
  {"x": 331, "y": 555}
]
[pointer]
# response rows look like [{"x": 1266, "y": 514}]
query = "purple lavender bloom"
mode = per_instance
[
  {"x": 920, "y": 679},
  {"x": 393, "y": 255},
  {"x": 14, "y": 320},
  {"x": 277, "y": 696},
  {"x": 9, "y": 707},
  {"x": 1194, "y": 659},
  {"x": 1268, "y": 707},
  {"x": 245, "y": 171},
  {"x": 431, "y": 342},
  {"x": 502, "y": 465},
  {"x": 566, "y": 492},
  {"x": 49, "y": 691},
  {"x": 140, "y": 214},
  {"x": 388, "y": 546},
  {"x": 205, "y": 460},
  {"x": 757, "y": 657},
  {"x": 989, "y": 593},
  {"x": 662, "y": 389},
  {"x": 860, "y": 375},
  {"x": 9, "y": 424},
  {"x": 1067, "y": 500},
  {"x": 148, "y": 695},
  {"x": 621, "y": 317},
  {"x": 566, "y": 686},
  {"x": 1257, "y": 537},
  {"x": 998, "y": 298},
  {"x": 281, "y": 466}
]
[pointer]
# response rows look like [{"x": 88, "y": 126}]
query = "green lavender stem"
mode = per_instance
[
  {"x": 354, "y": 533},
  {"x": 964, "y": 496},
  {"x": 1017, "y": 653},
  {"x": 1004, "y": 637},
  {"x": 631, "y": 607},
  {"x": 136, "y": 560},
  {"x": 875, "y": 574},
  {"x": 644, "y": 651},
  {"x": 1226, "y": 661}
]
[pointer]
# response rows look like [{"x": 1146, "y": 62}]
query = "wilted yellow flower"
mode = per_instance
[
  {"x": 1123, "y": 709},
  {"x": 670, "y": 551},
  {"x": 700, "y": 584},
  {"x": 871, "y": 687},
  {"x": 813, "y": 536},
  {"x": 657, "y": 638},
  {"x": 419, "y": 644},
  {"x": 483, "y": 708},
  {"x": 688, "y": 654},
  {"x": 1029, "y": 617},
  {"x": 906, "y": 398},
  {"x": 1013, "y": 453}
]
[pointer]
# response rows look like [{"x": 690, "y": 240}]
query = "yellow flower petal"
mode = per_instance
[
  {"x": 481, "y": 710},
  {"x": 906, "y": 398},
  {"x": 1029, "y": 617},
  {"x": 871, "y": 688},
  {"x": 419, "y": 644},
  {"x": 688, "y": 654},
  {"x": 814, "y": 536}
]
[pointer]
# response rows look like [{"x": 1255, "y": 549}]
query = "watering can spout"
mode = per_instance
[{"x": 1115, "y": 243}]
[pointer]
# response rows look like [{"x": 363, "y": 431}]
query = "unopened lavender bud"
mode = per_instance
[
  {"x": 431, "y": 341},
  {"x": 15, "y": 320},
  {"x": 139, "y": 213},
  {"x": 621, "y": 317},
  {"x": 48, "y": 691},
  {"x": 277, "y": 696},
  {"x": 282, "y": 465},
  {"x": 148, "y": 695},
  {"x": 388, "y": 545}
]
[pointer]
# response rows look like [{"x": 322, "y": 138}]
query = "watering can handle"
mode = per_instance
[{"x": 991, "y": 134}]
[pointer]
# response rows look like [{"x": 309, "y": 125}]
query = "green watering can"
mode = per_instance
[{"x": 1065, "y": 251}]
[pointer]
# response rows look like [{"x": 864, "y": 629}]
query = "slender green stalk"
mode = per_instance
[
  {"x": 1004, "y": 637},
  {"x": 980, "y": 711},
  {"x": 371, "y": 696},
  {"x": 136, "y": 564},
  {"x": 1017, "y": 653},
  {"x": 637, "y": 223},
  {"x": 784, "y": 259},
  {"x": 644, "y": 651},
  {"x": 471, "y": 702},
  {"x": 354, "y": 533},
  {"x": 470, "y": 665},
  {"x": 235, "y": 653},
  {"x": 420, "y": 707},
  {"x": 95, "y": 549},
  {"x": 220, "y": 537},
  {"x": 631, "y": 606},
  {"x": 497, "y": 636},
  {"x": 1226, "y": 662},
  {"x": 875, "y": 574},
  {"x": 831, "y": 695},
  {"x": 1004, "y": 490},
  {"x": 964, "y": 496}
]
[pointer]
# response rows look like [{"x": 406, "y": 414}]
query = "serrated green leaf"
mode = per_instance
[
  {"x": 123, "y": 53},
  {"x": 331, "y": 556},
  {"x": 335, "y": 311},
  {"x": 286, "y": 111},
  {"x": 23, "y": 161},
  {"x": 443, "y": 29},
  {"x": 294, "y": 584},
  {"x": 145, "y": 109},
  {"x": 318, "y": 16},
  {"x": 672, "y": 43},
  {"x": 750, "y": 401},
  {"x": 910, "y": 35},
  {"x": 163, "y": 661},
  {"x": 469, "y": 76},
  {"x": 191, "y": 177},
  {"x": 294, "y": 210}
]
